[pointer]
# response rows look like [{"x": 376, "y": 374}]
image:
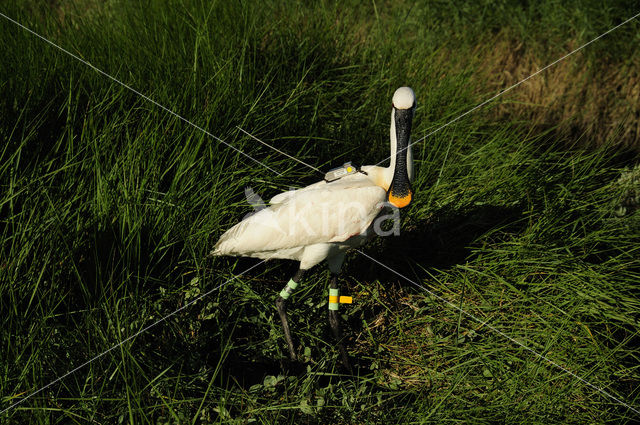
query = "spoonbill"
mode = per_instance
[{"x": 325, "y": 219}]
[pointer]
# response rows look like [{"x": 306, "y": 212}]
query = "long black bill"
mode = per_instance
[{"x": 400, "y": 193}]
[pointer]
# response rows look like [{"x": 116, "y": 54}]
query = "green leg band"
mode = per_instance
[
  {"x": 333, "y": 299},
  {"x": 287, "y": 290}
]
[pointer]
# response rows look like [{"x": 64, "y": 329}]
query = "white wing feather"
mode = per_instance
[
  {"x": 320, "y": 213},
  {"x": 282, "y": 197},
  {"x": 357, "y": 179}
]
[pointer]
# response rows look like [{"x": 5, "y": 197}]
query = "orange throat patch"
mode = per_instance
[{"x": 400, "y": 201}]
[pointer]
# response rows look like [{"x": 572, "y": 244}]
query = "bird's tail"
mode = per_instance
[
  {"x": 216, "y": 251},
  {"x": 224, "y": 246}
]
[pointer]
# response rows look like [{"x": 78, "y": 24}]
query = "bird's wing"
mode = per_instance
[
  {"x": 357, "y": 179},
  {"x": 329, "y": 213},
  {"x": 284, "y": 196}
]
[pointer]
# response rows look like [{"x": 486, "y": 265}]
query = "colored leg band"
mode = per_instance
[
  {"x": 286, "y": 292},
  {"x": 333, "y": 299}
]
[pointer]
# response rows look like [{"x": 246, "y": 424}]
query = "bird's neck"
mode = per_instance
[
  {"x": 382, "y": 176},
  {"x": 403, "y": 159}
]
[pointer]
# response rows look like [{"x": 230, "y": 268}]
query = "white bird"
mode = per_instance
[{"x": 325, "y": 219}]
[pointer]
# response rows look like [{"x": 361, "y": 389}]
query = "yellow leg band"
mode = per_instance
[
  {"x": 341, "y": 299},
  {"x": 335, "y": 299}
]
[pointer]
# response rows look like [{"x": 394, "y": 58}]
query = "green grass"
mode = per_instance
[{"x": 109, "y": 206}]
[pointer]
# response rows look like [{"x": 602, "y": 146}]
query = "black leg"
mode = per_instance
[
  {"x": 334, "y": 321},
  {"x": 282, "y": 310}
]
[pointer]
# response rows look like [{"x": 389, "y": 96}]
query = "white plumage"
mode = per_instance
[{"x": 309, "y": 224}]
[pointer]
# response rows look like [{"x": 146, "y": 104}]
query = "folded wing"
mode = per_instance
[{"x": 331, "y": 212}]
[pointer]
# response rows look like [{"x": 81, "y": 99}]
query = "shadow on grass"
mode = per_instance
[{"x": 439, "y": 242}]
